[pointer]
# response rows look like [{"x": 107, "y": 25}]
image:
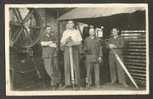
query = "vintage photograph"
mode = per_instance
[{"x": 76, "y": 49}]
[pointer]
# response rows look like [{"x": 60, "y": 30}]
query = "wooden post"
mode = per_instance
[
  {"x": 58, "y": 30},
  {"x": 58, "y": 41}
]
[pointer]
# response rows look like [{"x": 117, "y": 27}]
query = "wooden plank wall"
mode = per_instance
[{"x": 135, "y": 54}]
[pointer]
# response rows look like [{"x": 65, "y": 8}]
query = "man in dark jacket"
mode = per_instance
[
  {"x": 93, "y": 57},
  {"x": 116, "y": 72},
  {"x": 49, "y": 54}
]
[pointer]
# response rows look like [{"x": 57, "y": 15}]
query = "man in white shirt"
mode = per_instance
[{"x": 71, "y": 38}]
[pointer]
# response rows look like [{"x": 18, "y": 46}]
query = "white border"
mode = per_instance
[{"x": 10, "y": 92}]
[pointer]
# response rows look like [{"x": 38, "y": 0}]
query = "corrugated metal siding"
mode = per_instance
[{"x": 135, "y": 54}]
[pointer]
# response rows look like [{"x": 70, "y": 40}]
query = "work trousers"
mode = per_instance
[
  {"x": 116, "y": 71},
  {"x": 92, "y": 68},
  {"x": 67, "y": 66},
  {"x": 52, "y": 70}
]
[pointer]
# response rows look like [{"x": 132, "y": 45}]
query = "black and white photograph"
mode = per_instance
[{"x": 76, "y": 49}]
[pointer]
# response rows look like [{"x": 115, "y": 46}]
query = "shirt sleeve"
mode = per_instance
[
  {"x": 100, "y": 51},
  {"x": 121, "y": 42},
  {"x": 99, "y": 48},
  {"x": 63, "y": 37}
]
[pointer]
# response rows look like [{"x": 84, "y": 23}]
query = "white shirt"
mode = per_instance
[{"x": 74, "y": 34}]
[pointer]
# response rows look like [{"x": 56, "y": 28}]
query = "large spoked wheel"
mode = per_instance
[
  {"x": 25, "y": 27},
  {"x": 26, "y": 30}
]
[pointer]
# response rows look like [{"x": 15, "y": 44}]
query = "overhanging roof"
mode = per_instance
[{"x": 95, "y": 12}]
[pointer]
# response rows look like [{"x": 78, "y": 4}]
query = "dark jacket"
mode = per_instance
[
  {"x": 93, "y": 49},
  {"x": 119, "y": 42},
  {"x": 46, "y": 50}
]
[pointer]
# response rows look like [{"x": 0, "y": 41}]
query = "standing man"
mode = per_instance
[
  {"x": 49, "y": 55},
  {"x": 116, "y": 71},
  {"x": 93, "y": 58},
  {"x": 71, "y": 39}
]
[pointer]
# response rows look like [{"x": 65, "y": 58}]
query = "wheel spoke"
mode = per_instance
[
  {"x": 19, "y": 15},
  {"x": 18, "y": 35},
  {"x": 15, "y": 23},
  {"x": 27, "y": 34},
  {"x": 27, "y": 17},
  {"x": 28, "y": 38},
  {"x": 26, "y": 31},
  {"x": 16, "y": 14}
]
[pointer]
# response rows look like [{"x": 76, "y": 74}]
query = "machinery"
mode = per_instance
[{"x": 26, "y": 30}]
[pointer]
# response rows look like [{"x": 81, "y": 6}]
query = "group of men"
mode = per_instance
[{"x": 92, "y": 48}]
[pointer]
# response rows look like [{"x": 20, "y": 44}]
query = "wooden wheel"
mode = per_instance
[{"x": 25, "y": 27}]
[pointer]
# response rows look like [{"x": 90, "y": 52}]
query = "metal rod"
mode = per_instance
[
  {"x": 124, "y": 68},
  {"x": 71, "y": 65}
]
